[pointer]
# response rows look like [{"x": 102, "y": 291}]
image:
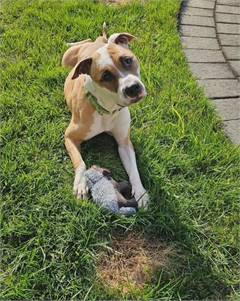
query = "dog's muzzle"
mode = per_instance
[{"x": 134, "y": 92}]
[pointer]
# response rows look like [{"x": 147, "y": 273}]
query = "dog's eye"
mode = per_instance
[
  {"x": 127, "y": 61},
  {"x": 107, "y": 76}
]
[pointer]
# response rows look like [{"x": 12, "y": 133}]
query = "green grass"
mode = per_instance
[{"x": 50, "y": 243}]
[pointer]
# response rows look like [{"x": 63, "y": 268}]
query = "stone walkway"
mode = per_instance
[{"x": 210, "y": 34}]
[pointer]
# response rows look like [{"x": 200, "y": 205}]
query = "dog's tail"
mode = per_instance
[{"x": 104, "y": 30}]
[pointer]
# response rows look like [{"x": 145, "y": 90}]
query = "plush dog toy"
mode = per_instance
[{"x": 109, "y": 194}]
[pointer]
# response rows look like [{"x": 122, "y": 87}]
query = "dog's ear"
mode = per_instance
[
  {"x": 82, "y": 67},
  {"x": 122, "y": 39}
]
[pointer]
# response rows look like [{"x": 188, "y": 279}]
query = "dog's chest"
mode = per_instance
[{"x": 101, "y": 123}]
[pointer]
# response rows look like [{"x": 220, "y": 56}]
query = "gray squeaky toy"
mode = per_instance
[{"x": 109, "y": 194}]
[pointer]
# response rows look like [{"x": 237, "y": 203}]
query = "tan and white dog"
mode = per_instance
[{"x": 104, "y": 81}]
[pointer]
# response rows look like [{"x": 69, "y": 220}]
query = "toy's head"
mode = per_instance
[
  {"x": 104, "y": 171},
  {"x": 93, "y": 175}
]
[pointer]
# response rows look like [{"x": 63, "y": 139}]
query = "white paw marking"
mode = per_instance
[
  {"x": 142, "y": 197},
  {"x": 80, "y": 187}
]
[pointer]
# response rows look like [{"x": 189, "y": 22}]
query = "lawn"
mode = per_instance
[{"x": 50, "y": 243}]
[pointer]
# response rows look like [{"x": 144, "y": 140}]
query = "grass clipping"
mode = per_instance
[{"x": 132, "y": 262}]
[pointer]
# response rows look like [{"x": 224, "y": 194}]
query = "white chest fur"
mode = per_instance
[{"x": 108, "y": 122}]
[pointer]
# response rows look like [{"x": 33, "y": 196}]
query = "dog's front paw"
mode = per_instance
[
  {"x": 142, "y": 198},
  {"x": 80, "y": 187}
]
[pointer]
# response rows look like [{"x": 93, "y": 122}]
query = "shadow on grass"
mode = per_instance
[{"x": 191, "y": 275}]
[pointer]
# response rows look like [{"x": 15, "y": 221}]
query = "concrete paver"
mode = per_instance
[
  {"x": 228, "y": 28},
  {"x": 229, "y": 39},
  {"x": 227, "y": 18},
  {"x": 229, "y": 2},
  {"x": 198, "y": 31},
  {"x": 235, "y": 66},
  {"x": 204, "y": 56},
  {"x": 227, "y": 9},
  {"x": 220, "y": 88},
  {"x": 227, "y": 108},
  {"x": 210, "y": 36},
  {"x": 197, "y": 20},
  {"x": 195, "y": 11},
  {"x": 211, "y": 71},
  {"x": 232, "y": 128},
  {"x": 200, "y": 43},
  {"x": 201, "y": 3},
  {"x": 232, "y": 53}
]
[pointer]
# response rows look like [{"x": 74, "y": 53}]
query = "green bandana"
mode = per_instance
[{"x": 100, "y": 109}]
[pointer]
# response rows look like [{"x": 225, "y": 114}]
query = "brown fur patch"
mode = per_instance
[
  {"x": 132, "y": 262},
  {"x": 116, "y": 52},
  {"x": 96, "y": 74},
  {"x": 81, "y": 51},
  {"x": 82, "y": 110},
  {"x": 82, "y": 117}
]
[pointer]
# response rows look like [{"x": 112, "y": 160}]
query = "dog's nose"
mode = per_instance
[{"x": 133, "y": 90}]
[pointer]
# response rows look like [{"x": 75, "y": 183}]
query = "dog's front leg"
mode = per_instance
[
  {"x": 128, "y": 158},
  {"x": 127, "y": 155},
  {"x": 72, "y": 143}
]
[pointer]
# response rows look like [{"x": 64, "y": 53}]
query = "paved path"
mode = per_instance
[{"x": 210, "y": 34}]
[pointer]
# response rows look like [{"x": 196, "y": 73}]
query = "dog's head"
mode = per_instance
[{"x": 114, "y": 70}]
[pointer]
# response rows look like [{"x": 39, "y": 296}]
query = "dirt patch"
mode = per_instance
[{"x": 132, "y": 262}]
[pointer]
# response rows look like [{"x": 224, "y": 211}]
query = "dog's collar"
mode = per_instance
[{"x": 99, "y": 108}]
